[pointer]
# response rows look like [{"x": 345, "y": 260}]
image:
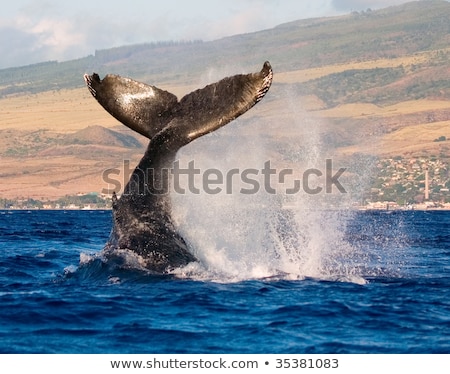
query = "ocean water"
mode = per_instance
[{"x": 383, "y": 287}]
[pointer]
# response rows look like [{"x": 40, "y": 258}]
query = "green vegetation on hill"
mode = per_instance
[
  {"x": 383, "y": 86},
  {"x": 352, "y": 85}
]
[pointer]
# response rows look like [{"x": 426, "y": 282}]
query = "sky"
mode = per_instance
[{"x": 33, "y": 31}]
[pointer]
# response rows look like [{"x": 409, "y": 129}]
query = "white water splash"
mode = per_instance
[{"x": 238, "y": 237}]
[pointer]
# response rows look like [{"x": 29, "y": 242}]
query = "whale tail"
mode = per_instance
[
  {"x": 149, "y": 110},
  {"x": 142, "y": 215}
]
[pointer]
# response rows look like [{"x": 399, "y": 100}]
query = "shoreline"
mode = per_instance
[{"x": 356, "y": 209}]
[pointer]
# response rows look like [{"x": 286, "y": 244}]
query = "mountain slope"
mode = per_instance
[
  {"x": 388, "y": 33},
  {"x": 101, "y": 136}
]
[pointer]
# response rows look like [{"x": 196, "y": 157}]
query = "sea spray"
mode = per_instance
[
  {"x": 238, "y": 235},
  {"x": 226, "y": 230}
]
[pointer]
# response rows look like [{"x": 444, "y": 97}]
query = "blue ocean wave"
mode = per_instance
[{"x": 60, "y": 295}]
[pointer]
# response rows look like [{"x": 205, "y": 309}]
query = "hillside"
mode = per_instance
[
  {"x": 373, "y": 83},
  {"x": 372, "y": 35},
  {"x": 101, "y": 136}
]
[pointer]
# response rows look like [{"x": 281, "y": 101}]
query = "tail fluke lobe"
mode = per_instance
[
  {"x": 143, "y": 108},
  {"x": 217, "y": 104}
]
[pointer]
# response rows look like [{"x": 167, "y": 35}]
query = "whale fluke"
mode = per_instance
[
  {"x": 143, "y": 108},
  {"x": 142, "y": 215}
]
